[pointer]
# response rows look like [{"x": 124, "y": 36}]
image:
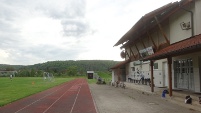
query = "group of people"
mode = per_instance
[{"x": 101, "y": 81}]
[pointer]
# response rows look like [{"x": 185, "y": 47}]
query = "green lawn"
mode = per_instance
[
  {"x": 105, "y": 75},
  {"x": 91, "y": 81},
  {"x": 21, "y": 87}
]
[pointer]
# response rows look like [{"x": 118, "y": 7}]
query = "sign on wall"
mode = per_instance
[{"x": 146, "y": 52}]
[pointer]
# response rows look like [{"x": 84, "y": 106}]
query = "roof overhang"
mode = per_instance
[
  {"x": 147, "y": 22},
  {"x": 189, "y": 45},
  {"x": 121, "y": 64}
]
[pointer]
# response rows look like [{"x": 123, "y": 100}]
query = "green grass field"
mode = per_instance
[
  {"x": 105, "y": 75},
  {"x": 21, "y": 87}
]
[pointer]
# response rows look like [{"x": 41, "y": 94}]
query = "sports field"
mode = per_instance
[
  {"x": 20, "y": 87},
  {"x": 70, "y": 97}
]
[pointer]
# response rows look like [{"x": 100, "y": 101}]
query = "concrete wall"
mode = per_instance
[
  {"x": 144, "y": 69},
  {"x": 197, "y": 16},
  {"x": 176, "y": 33}
]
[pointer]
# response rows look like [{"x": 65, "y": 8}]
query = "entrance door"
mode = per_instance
[
  {"x": 183, "y": 72},
  {"x": 190, "y": 73}
]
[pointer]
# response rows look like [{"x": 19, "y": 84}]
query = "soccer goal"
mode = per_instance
[{"x": 48, "y": 77}]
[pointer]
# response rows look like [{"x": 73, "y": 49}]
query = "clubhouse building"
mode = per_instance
[{"x": 164, "y": 48}]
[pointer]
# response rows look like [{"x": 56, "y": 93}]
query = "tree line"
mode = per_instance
[{"x": 61, "y": 68}]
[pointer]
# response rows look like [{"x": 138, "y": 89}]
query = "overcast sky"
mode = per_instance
[{"x": 37, "y": 31}]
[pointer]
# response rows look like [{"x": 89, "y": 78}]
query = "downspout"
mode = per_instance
[{"x": 192, "y": 19}]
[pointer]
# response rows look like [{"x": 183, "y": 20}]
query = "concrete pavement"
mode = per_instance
[
  {"x": 177, "y": 98},
  {"x": 134, "y": 99}
]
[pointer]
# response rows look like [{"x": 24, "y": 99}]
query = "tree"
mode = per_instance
[
  {"x": 32, "y": 73},
  {"x": 10, "y": 68},
  {"x": 72, "y": 70}
]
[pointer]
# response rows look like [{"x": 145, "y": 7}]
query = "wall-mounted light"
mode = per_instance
[{"x": 185, "y": 26}]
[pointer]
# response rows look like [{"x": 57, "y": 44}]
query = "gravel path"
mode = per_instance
[{"x": 109, "y": 99}]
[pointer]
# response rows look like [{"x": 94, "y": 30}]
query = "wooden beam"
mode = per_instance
[
  {"x": 161, "y": 30},
  {"x": 170, "y": 75},
  {"x": 132, "y": 52},
  {"x": 137, "y": 50},
  {"x": 142, "y": 43},
  {"x": 150, "y": 37},
  {"x": 127, "y": 54}
]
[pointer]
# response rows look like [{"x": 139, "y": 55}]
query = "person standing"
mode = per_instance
[{"x": 11, "y": 77}]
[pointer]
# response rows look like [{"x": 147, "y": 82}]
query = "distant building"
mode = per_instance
[{"x": 90, "y": 74}]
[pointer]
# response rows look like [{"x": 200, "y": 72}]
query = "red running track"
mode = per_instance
[{"x": 70, "y": 97}]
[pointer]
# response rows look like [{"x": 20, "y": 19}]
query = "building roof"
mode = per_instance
[
  {"x": 148, "y": 21},
  {"x": 121, "y": 64},
  {"x": 189, "y": 45},
  {"x": 90, "y": 71}
]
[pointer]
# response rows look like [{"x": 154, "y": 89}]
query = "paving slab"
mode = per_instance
[{"x": 109, "y": 99}]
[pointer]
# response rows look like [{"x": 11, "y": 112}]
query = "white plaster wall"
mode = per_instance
[
  {"x": 197, "y": 17},
  {"x": 145, "y": 70},
  {"x": 158, "y": 78},
  {"x": 176, "y": 33},
  {"x": 131, "y": 73},
  {"x": 113, "y": 76},
  {"x": 196, "y": 80}
]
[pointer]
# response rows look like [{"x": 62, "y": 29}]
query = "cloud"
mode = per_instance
[
  {"x": 40, "y": 53},
  {"x": 35, "y": 31},
  {"x": 75, "y": 28},
  {"x": 71, "y": 13},
  {"x": 63, "y": 9}
]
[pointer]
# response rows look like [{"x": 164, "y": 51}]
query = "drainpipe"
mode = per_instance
[{"x": 192, "y": 19}]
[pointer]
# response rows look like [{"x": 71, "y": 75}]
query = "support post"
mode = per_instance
[
  {"x": 170, "y": 75},
  {"x": 152, "y": 75}
]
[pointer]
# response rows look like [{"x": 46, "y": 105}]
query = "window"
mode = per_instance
[
  {"x": 155, "y": 65},
  {"x": 133, "y": 68}
]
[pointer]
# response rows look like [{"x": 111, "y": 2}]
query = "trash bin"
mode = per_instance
[{"x": 200, "y": 100}]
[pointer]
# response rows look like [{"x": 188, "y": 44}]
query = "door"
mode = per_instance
[
  {"x": 190, "y": 74},
  {"x": 183, "y": 72}
]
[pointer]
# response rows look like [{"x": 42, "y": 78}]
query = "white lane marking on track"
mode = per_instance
[
  {"x": 76, "y": 98},
  {"x": 39, "y": 99},
  {"x": 56, "y": 100},
  {"x": 74, "y": 88}
]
